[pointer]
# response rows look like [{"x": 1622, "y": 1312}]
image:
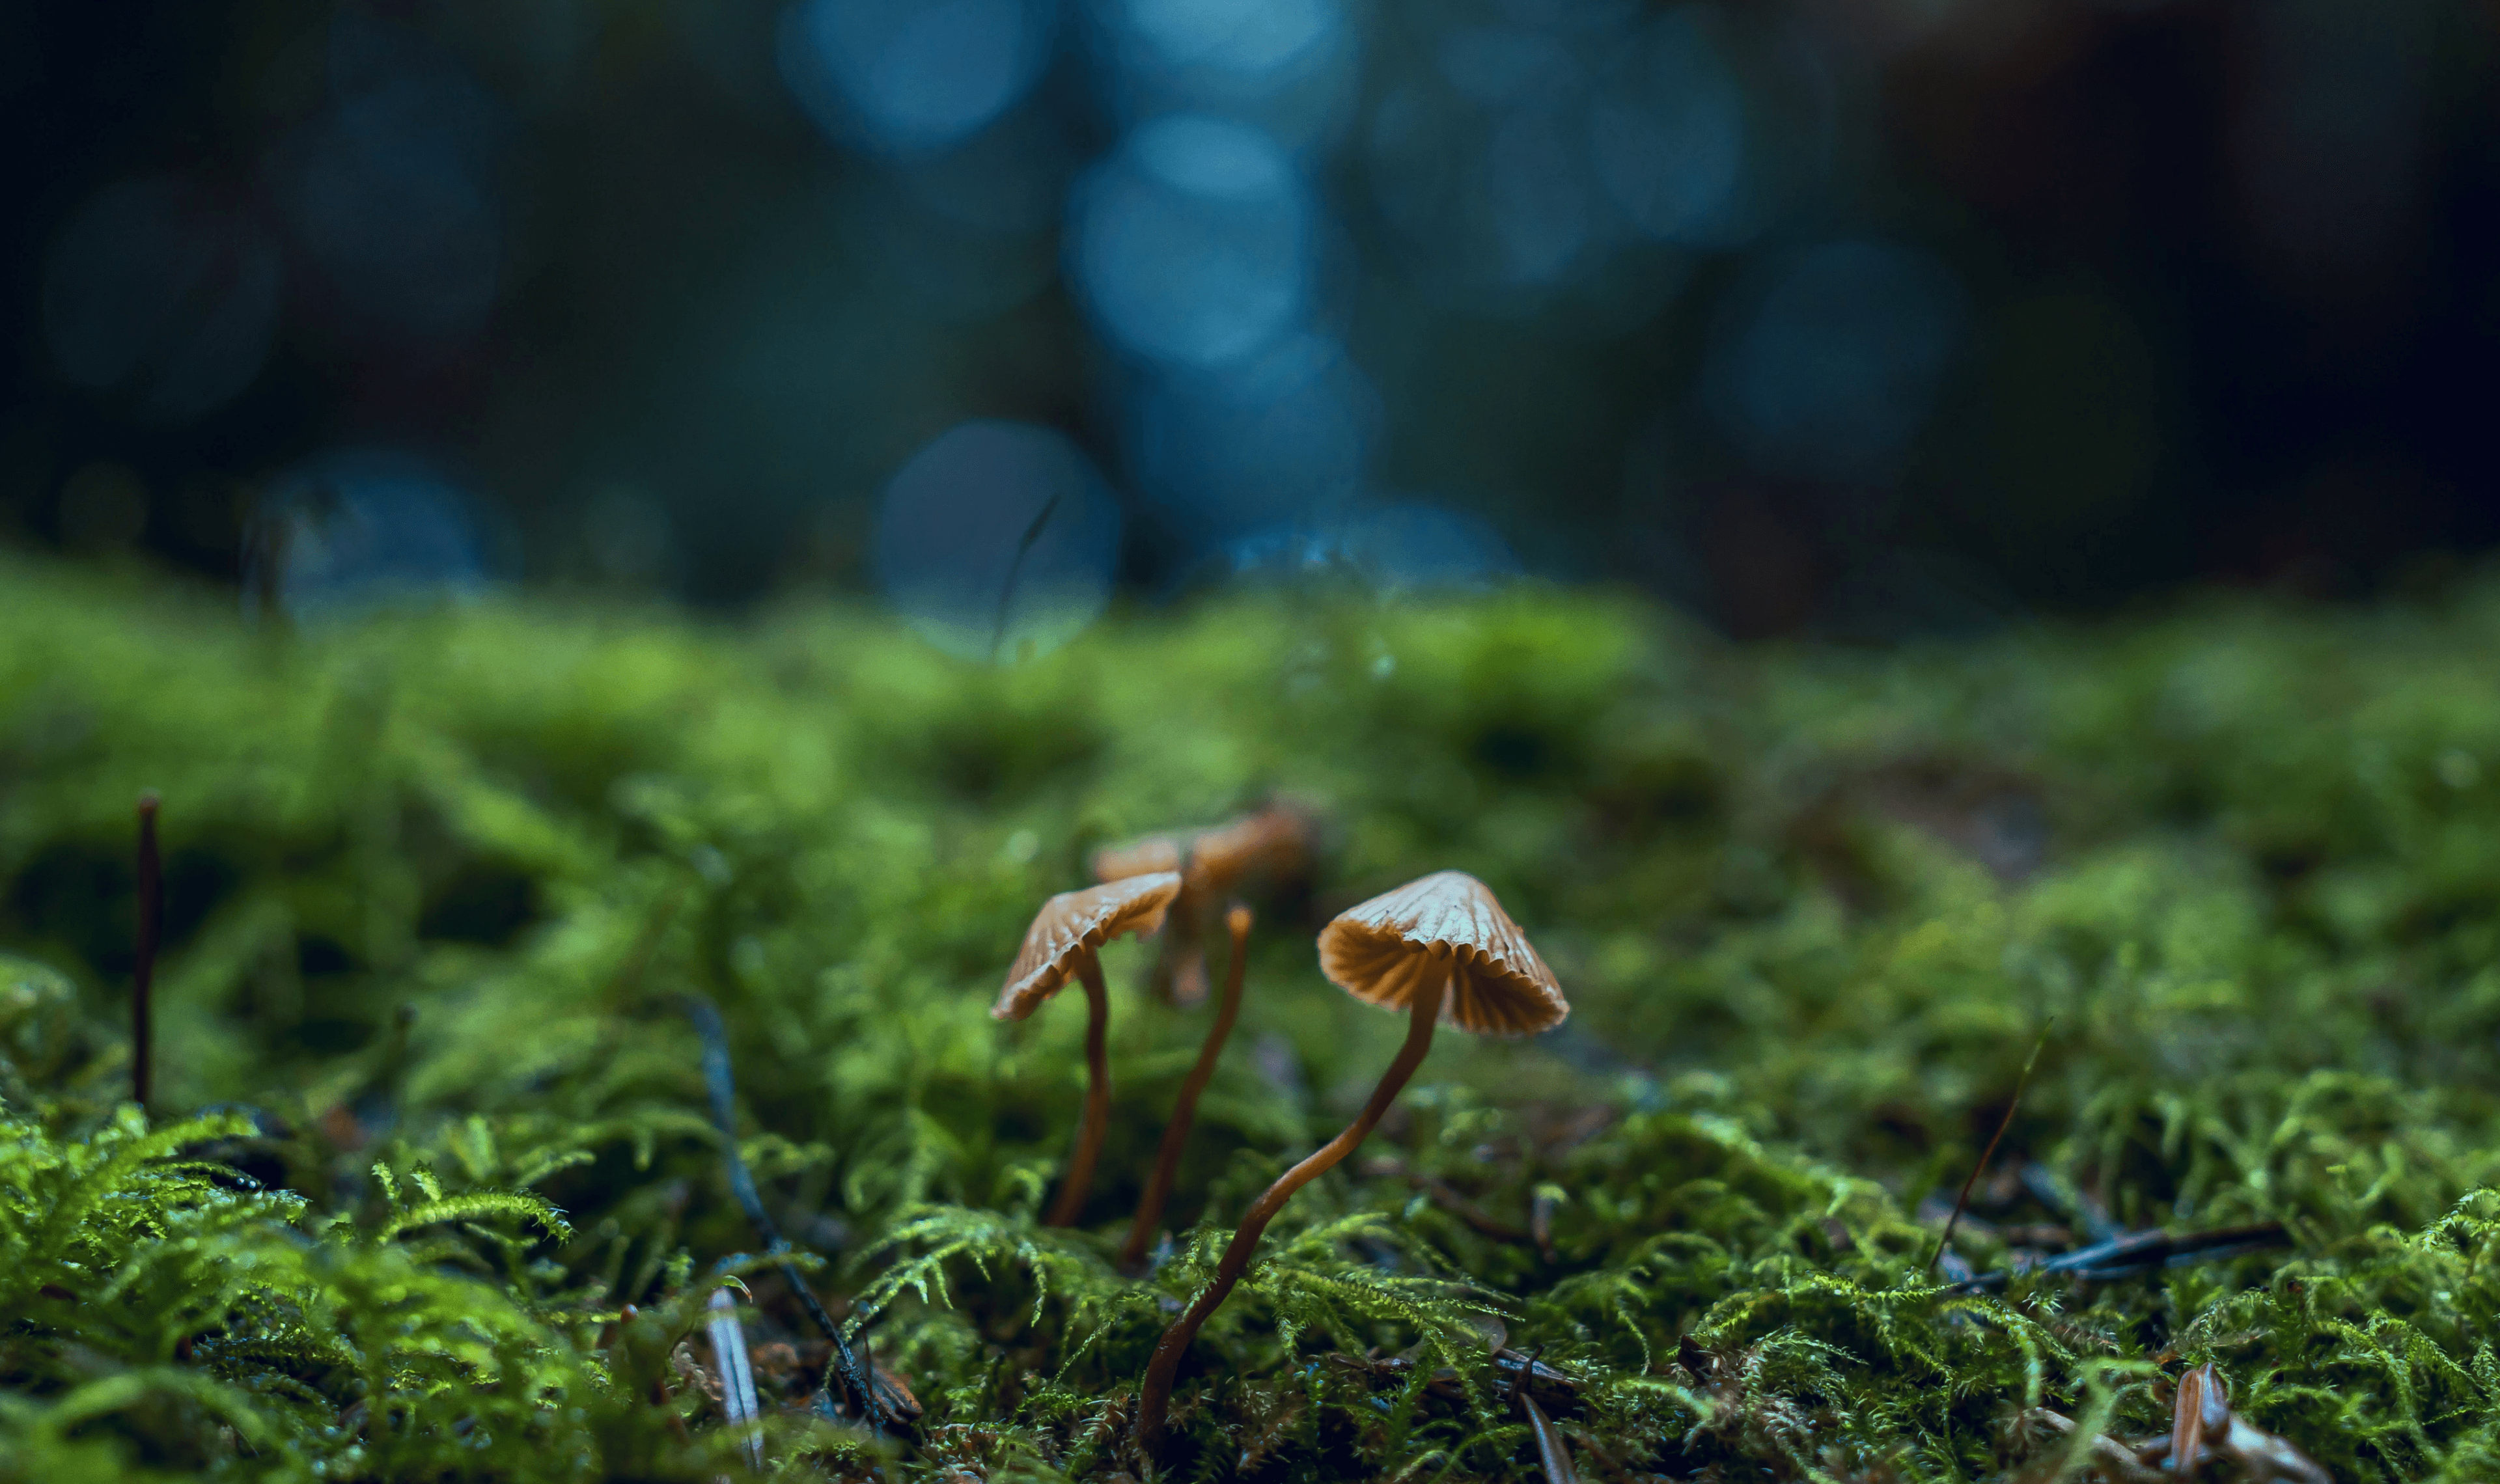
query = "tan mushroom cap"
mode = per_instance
[
  {"x": 1275, "y": 838},
  {"x": 1075, "y": 923},
  {"x": 1448, "y": 928},
  {"x": 1143, "y": 857}
]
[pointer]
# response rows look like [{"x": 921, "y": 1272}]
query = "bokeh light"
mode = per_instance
[
  {"x": 1827, "y": 367},
  {"x": 1480, "y": 152},
  {"x": 1668, "y": 132},
  {"x": 1192, "y": 243},
  {"x": 998, "y": 541},
  {"x": 1545, "y": 159},
  {"x": 1289, "y": 66},
  {"x": 161, "y": 297},
  {"x": 360, "y": 529},
  {"x": 1283, "y": 436},
  {"x": 1536, "y": 196},
  {"x": 1195, "y": 246},
  {"x": 908, "y": 76},
  {"x": 1727, "y": 302},
  {"x": 1237, "y": 38}
]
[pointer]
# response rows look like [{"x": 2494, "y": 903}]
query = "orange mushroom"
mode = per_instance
[
  {"x": 1273, "y": 841},
  {"x": 1064, "y": 942},
  {"x": 1150, "y": 1205},
  {"x": 1439, "y": 949}
]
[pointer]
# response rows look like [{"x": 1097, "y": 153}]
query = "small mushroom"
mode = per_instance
[
  {"x": 1273, "y": 842},
  {"x": 1063, "y": 942},
  {"x": 1150, "y": 1205},
  {"x": 1439, "y": 949},
  {"x": 1138, "y": 858}
]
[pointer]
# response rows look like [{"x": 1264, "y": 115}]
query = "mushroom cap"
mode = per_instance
[
  {"x": 1444, "y": 928},
  {"x": 1143, "y": 857},
  {"x": 1275, "y": 839},
  {"x": 1075, "y": 923}
]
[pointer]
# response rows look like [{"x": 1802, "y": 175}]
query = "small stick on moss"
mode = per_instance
[
  {"x": 1150, "y": 1205},
  {"x": 856, "y": 1378},
  {"x": 1985, "y": 1155},
  {"x": 143, "y": 968},
  {"x": 2141, "y": 1251}
]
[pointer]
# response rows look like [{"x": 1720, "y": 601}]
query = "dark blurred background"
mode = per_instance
[{"x": 1862, "y": 320}]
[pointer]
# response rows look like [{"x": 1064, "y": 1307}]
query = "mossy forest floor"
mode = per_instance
[{"x": 431, "y": 1110}]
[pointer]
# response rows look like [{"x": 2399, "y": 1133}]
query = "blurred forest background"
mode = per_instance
[{"x": 1857, "y": 319}]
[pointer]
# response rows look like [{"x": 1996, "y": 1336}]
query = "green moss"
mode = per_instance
[{"x": 437, "y": 886}]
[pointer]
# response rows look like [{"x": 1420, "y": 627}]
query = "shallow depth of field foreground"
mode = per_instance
[{"x": 431, "y": 1187}]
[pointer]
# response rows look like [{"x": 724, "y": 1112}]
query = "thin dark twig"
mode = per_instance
[
  {"x": 1553, "y": 1454},
  {"x": 143, "y": 968},
  {"x": 1989, "y": 1153},
  {"x": 722, "y": 1084},
  {"x": 1533, "y": 1370},
  {"x": 1015, "y": 571},
  {"x": 1520, "y": 1378},
  {"x": 2141, "y": 1251},
  {"x": 857, "y": 1379}
]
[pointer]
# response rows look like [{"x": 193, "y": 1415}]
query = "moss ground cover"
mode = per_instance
[{"x": 431, "y": 1110}]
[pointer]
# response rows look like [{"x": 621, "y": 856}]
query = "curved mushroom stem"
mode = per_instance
[
  {"x": 1150, "y": 1206},
  {"x": 1155, "y": 1398},
  {"x": 1098, "y": 1097}
]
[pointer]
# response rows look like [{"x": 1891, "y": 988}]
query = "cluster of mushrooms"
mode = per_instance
[{"x": 1439, "y": 949}]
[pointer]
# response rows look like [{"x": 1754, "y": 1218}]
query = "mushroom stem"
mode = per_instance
[
  {"x": 1150, "y": 1206},
  {"x": 1154, "y": 1400},
  {"x": 1098, "y": 1097}
]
